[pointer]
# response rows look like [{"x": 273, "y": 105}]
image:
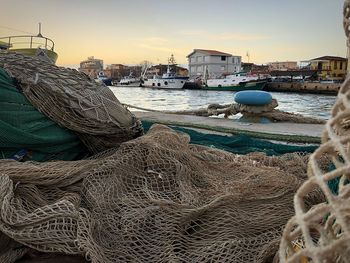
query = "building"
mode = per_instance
[
  {"x": 255, "y": 69},
  {"x": 330, "y": 67},
  {"x": 118, "y": 71},
  {"x": 91, "y": 66},
  {"x": 284, "y": 65},
  {"x": 216, "y": 63},
  {"x": 161, "y": 69}
]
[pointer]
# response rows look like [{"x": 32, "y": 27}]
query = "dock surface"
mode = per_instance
[{"x": 282, "y": 131}]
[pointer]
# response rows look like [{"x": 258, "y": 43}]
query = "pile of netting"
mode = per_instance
[
  {"x": 156, "y": 198},
  {"x": 73, "y": 101}
]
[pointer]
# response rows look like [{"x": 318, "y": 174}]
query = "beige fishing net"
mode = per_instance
[
  {"x": 321, "y": 233},
  {"x": 73, "y": 100},
  {"x": 156, "y": 198}
]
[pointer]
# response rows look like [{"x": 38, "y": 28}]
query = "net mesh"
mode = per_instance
[{"x": 321, "y": 233}]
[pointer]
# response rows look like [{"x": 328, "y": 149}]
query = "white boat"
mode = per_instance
[
  {"x": 236, "y": 82},
  {"x": 129, "y": 80},
  {"x": 168, "y": 80}
]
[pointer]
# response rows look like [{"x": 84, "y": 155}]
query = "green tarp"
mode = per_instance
[{"x": 22, "y": 127}]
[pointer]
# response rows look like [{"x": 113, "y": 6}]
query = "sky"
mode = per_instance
[{"x": 129, "y": 32}]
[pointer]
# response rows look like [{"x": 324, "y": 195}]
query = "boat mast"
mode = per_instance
[
  {"x": 171, "y": 61},
  {"x": 40, "y": 35}
]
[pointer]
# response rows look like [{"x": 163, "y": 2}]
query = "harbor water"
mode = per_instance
[{"x": 310, "y": 105}]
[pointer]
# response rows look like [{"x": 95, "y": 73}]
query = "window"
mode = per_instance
[
  {"x": 223, "y": 58},
  {"x": 233, "y": 60},
  {"x": 199, "y": 58},
  {"x": 335, "y": 65},
  {"x": 341, "y": 65}
]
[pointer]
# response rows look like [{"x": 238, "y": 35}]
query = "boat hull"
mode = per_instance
[
  {"x": 177, "y": 83},
  {"x": 256, "y": 85},
  {"x": 33, "y": 52}
]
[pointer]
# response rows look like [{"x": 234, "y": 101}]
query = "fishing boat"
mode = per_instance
[
  {"x": 169, "y": 80},
  {"x": 129, "y": 81},
  {"x": 30, "y": 45},
  {"x": 102, "y": 78},
  {"x": 235, "y": 82}
]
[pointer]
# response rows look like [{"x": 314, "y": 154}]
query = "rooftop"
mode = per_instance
[
  {"x": 210, "y": 52},
  {"x": 329, "y": 58}
]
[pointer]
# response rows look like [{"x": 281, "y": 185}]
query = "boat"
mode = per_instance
[
  {"x": 31, "y": 45},
  {"x": 169, "y": 80},
  {"x": 129, "y": 81},
  {"x": 102, "y": 78},
  {"x": 235, "y": 82}
]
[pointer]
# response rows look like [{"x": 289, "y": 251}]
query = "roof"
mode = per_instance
[
  {"x": 209, "y": 52},
  {"x": 329, "y": 58}
]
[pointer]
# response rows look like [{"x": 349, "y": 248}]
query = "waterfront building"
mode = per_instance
[
  {"x": 212, "y": 62},
  {"x": 91, "y": 67},
  {"x": 161, "y": 69},
  {"x": 118, "y": 71},
  {"x": 330, "y": 67},
  {"x": 255, "y": 69},
  {"x": 283, "y": 65}
]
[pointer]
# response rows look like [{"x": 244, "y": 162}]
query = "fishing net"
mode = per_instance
[
  {"x": 321, "y": 233},
  {"x": 73, "y": 100},
  {"x": 156, "y": 198}
]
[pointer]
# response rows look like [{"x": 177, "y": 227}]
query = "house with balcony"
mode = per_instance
[
  {"x": 212, "y": 63},
  {"x": 91, "y": 67},
  {"x": 330, "y": 67}
]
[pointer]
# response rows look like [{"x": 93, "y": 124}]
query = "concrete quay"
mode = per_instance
[
  {"x": 288, "y": 132},
  {"x": 308, "y": 87}
]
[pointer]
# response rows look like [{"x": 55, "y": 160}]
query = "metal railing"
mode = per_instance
[{"x": 18, "y": 42}]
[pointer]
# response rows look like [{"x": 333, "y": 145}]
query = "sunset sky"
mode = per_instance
[{"x": 129, "y": 32}]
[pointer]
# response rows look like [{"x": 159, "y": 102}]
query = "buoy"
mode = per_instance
[{"x": 253, "y": 97}]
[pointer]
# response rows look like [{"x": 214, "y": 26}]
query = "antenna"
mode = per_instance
[
  {"x": 40, "y": 35},
  {"x": 248, "y": 56}
]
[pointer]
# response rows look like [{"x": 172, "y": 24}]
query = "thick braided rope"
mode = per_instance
[{"x": 321, "y": 233}]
